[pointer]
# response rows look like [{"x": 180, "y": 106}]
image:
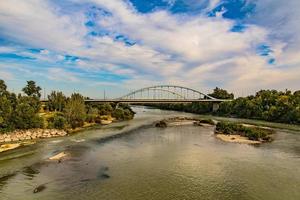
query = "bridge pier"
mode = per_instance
[{"x": 216, "y": 107}]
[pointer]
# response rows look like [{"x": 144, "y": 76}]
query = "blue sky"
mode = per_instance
[{"x": 91, "y": 45}]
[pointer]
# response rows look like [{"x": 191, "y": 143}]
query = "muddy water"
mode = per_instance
[{"x": 145, "y": 162}]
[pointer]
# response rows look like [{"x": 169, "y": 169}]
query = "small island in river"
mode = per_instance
[
  {"x": 180, "y": 121},
  {"x": 242, "y": 133},
  {"x": 226, "y": 131}
]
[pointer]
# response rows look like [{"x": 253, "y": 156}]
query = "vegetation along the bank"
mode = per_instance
[
  {"x": 252, "y": 132},
  {"x": 25, "y": 111},
  {"x": 268, "y": 105}
]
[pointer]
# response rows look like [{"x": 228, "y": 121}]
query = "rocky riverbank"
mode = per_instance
[{"x": 31, "y": 134}]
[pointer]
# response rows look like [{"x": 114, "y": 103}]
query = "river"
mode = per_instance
[{"x": 144, "y": 162}]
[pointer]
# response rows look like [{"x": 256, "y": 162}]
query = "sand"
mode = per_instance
[
  {"x": 236, "y": 139},
  {"x": 58, "y": 156}
]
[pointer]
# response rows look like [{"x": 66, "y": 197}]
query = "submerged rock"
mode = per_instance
[
  {"x": 161, "y": 124},
  {"x": 40, "y": 188},
  {"x": 104, "y": 176}
]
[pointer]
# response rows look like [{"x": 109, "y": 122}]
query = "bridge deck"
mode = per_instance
[{"x": 153, "y": 100}]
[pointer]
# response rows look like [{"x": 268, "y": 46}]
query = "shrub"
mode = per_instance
[
  {"x": 58, "y": 121},
  {"x": 253, "y": 133}
]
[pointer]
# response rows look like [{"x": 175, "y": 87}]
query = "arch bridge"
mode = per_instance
[{"x": 162, "y": 94}]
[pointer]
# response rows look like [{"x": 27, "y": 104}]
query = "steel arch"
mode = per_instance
[{"x": 163, "y": 88}]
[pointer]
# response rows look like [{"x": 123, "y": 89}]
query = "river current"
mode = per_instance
[{"x": 134, "y": 160}]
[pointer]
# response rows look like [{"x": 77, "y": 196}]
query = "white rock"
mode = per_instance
[{"x": 7, "y": 140}]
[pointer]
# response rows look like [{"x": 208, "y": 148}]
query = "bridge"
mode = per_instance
[{"x": 163, "y": 94}]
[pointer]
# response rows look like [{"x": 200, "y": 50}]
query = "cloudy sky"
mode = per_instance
[{"x": 92, "y": 45}]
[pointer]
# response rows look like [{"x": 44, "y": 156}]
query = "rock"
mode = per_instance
[
  {"x": 39, "y": 188},
  {"x": 104, "y": 176},
  {"x": 14, "y": 139},
  {"x": 58, "y": 156},
  {"x": 106, "y": 122},
  {"x": 161, "y": 124},
  {"x": 7, "y": 140}
]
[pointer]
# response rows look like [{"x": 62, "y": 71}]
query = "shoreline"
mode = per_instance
[
  {"x": 20, "y": 138},
  {"x": 236, "y": 139}
]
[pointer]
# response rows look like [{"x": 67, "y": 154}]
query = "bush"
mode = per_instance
[
  {"x": 58, "y": 121},
  {"x": 253, "y": 133},
  {"x": 91, "y": 118},
  {"x": 118, "y": 114}
]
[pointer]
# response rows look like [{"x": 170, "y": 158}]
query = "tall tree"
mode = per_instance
[
  {"x": 32, "y": 90},
  {"x": 33, "y": 93},
  {"x": 56, "y": 101},
  {"x": 75, "y": 110}
]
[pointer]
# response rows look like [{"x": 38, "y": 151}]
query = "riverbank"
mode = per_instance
[
  {"x": 261, "y": 123},
  {"x": 18, "y": 138},
  {"x": 30, "y": 134}
]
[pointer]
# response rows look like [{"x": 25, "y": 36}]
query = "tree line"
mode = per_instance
[
  {"x": 25, "y": 111},
  {"x": 268, "y": 105}
]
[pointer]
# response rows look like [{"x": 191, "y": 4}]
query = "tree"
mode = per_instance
[
  {"x": 6, "y": 108},
  {"x": 56, "y": 101},
  {"x": 33, "y": 93},
  {"x": 3, "y": 88},
  {"x": 75, "y": 111},
  {"x": 221, "y": 94},
  {"x": 25, "y": 115},
  {"x": 32, "y": 90},
  {"x": 105, "y": 109}
]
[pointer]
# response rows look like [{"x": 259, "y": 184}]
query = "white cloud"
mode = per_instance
[
  {"x": 191, "y": 50},
  {"x": 59, "y": 74},
  {"x": 37, "y": 24},
  {"x": 5, "y": 75}
]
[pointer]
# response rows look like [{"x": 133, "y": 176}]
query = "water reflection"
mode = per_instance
[{"x": 144, "y": 162}]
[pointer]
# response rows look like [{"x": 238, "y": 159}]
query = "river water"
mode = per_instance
[{"x": 144, "y": 162}]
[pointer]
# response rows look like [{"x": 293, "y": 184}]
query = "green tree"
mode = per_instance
[
  {"x": 6, "y": 108},
  {"x": 32, "y": 90},
  {"x": 221, "y": 94},
  {"x": 25, "y": 115},
  {"x": 75, "y": 111},
  {"x": 34, "y": 94},
  {"x": 56, "y": 101}
]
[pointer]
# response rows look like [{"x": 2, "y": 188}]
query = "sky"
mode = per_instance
[{"x": 89, "y": 46}]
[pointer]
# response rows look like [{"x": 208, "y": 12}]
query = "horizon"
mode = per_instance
[{"x": 90, "y": 46}]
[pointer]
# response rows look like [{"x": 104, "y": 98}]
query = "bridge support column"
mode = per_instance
[{"x": 216, "y": 107}]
